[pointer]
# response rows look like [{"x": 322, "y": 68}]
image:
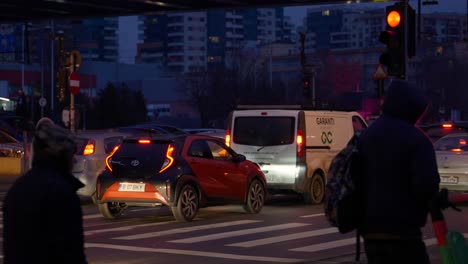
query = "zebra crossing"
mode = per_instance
[{"x": 305, "y": 238}]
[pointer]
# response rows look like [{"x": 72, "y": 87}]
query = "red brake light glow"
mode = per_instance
[
  {"x": 144, "y": 141},
  {"x": 89, "y": 148},
  {"x": 447, "y": 125},
  {"x": 169, "y": 159},
  {"x": 300, "y": 143},
  {"x": 227, "y": 140},
  {"x": 456, "y": 150},
  {"x": 462, "y": 141},
  {"x": 110, "y": 156}
]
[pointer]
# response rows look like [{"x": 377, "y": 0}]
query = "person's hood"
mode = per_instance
[{"x": 404, "y": 101}]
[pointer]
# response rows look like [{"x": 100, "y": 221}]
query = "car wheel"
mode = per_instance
[
  {"x": 255, "y": 197},
  {"x": 187, "y": 204},
  {"x": 315, "y": 190},
  {"x": 111, "y": 210},
  {"x": 94, "y": 198}
]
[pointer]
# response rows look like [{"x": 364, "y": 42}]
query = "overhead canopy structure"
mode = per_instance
[{"x": 29, "y": 10}]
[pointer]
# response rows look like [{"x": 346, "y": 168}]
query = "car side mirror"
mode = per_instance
[{"x": 240, "y": 158}]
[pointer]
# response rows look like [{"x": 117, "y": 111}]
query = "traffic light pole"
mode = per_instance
[
  {"x": 72, "y": 97},
  {"x": 406, "y": 37}
]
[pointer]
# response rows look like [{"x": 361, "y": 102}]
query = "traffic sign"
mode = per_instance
[
  {"x": 42, "y": 102},
  {"x": 74, "y": 83},
  {"x": 379, "y": 73}
]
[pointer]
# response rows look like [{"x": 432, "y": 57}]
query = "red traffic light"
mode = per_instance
[
  {"x": 306, "y": 83},
  {"x": 393, "y": 19}
]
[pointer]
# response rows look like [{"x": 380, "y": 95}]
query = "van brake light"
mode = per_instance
[
  {"x": 109, "y": 158},
  {"x": 300, "y": 143}
]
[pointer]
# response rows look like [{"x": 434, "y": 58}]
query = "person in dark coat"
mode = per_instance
[
  {"x": 42, "y": 217},
  {"x": 399, "y": 179}
]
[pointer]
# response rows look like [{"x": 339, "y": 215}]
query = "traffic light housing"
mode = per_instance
[
  {"x": 306, "y": 86},
  {"x": 394, "y": 38}
]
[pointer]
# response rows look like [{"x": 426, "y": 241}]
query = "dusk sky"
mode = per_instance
[
  {"x": 297, "y": 13},
  {"x": 128, "y": 30}
]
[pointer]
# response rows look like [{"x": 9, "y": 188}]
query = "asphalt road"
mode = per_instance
[{"x": 286, "y": 231}]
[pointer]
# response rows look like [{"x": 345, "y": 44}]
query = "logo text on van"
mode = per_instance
[
  {"x": 327, "y": 137},
  {"x": 325, "y": 121}
]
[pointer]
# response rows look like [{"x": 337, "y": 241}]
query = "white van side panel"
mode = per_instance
[{"x": 327, "y": 133}]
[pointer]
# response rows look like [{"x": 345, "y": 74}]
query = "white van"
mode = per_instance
[{"x": 294, "y": 147}]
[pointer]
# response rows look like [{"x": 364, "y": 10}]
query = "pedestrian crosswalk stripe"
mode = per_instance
[
  {"x": 186, "y": 229},
  {"x": 327, "y": 245},
  {"x": 196, "y": 253},
  {"x": 346, "y": 242},
  {"x": 124, "y": 228},
  {"x": 100, "y": 215},
  {"x": 277, "y": 239},
  {"x": 314, "y": 215},
  {"x": 238, "y": 233}
]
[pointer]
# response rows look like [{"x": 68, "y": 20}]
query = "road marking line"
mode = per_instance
[
  {"x": 314, "y": 215},
  {"x": 277, "y": 239},
  {"x": 129, "y": 210},
  {"x": 349, "y": 241},
  {"x": 195, "y": 253},
  {"x": 186, "y": 230},
  {"x": 327, "y": 245},
  {"x": 92, "y": 216},
  {"x": 125, "y": 228},
  {"x": 238, "y": 233}
]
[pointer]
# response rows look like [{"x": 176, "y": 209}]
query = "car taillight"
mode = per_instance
[
  {"x": 169, "y": 159},
  {"x": 109, "y": 158},
  {"x": 300, "y": 143},
  {"x": 89, "y": 148},
  {"x": 227, "y": 140},
  {"x": 447, "y": 125}
]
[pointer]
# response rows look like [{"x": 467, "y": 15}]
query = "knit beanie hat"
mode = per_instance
[{"x": 52, "y": 141}]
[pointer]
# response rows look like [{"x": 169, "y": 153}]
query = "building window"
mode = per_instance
[
  {"x": 189, "y": 18},
  {"x": 326, "y": 13},
  {"x": 214, "y": 39}
]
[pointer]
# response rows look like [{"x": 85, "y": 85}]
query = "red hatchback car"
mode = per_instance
[{"x": 184, "y": 172}]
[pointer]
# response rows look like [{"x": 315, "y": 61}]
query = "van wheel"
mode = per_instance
[
  {"x": 187, "y": 204},
  {"x": 255, "y": 197},
  {"x": 111, "y": 210},
  {"x": 315, "y": 190}
]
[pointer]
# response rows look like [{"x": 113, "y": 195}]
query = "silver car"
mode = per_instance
[
  {"x": 452, "y": 161},
  {"x": 92, "y": 149}
]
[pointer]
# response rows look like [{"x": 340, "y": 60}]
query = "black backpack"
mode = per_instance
[{"x": 341, "y": 204}]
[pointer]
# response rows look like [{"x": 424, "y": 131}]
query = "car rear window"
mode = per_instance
[
  {"x": 438, "y": 132},
  {"x": 263, "y": 131},
  {"x": 452, "y": 143},
  {"x": 149, "y": 158}
]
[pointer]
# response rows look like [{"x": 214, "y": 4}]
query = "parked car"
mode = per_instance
[
  {"x": 452, "y": 161},
  {"x": 10, "y": 146},
  {"x": 92, "y": 149},
  {"x": 184, "y": 172},
  {"x": 436, "y": 131}
]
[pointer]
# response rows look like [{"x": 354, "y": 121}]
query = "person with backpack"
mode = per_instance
[{"x": 397, "y": 179}]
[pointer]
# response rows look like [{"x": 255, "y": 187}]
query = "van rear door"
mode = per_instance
[{"x": 267, "y": 138}]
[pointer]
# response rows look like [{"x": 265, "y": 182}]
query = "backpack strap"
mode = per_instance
[{"x": 358, "y": 246}]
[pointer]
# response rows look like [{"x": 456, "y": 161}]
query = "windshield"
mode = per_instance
[{"x": 263, "y": 131}]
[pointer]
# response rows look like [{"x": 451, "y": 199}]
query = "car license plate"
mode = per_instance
[
  {"x": 449, "y": 179},
  {"x": 131, "y": 187}
]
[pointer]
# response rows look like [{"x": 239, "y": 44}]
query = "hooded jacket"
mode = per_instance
[
  {"x": 399, "y": 169},
  {"x": 42, "y": 217}
]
